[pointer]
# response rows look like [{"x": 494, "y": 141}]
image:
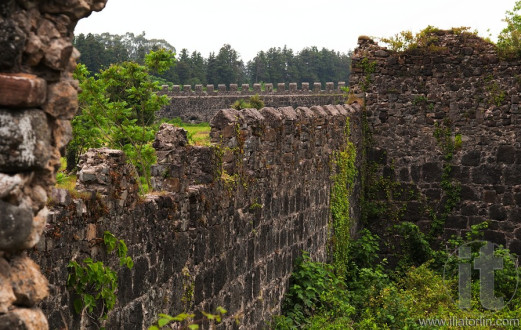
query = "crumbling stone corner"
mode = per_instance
[{"x": 38, "y": 97}]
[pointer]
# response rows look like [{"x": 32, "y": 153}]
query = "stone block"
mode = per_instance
[
  {"x": 22, "y": 90},
  {"x": 431, "y": 172},
  {"x": 9, "y": 183},
  {"x": 468, "y": 193},
  {"x": 23, "y": 318},
  {"x": 7, "y": 296},
  {"x": 506, "y": 154},
  {"x": 29, "y": 285},
  {"x": 512, "y": 175},
  {"x": 62, "y": 100},
  {"x": 486, "y": 174},
  {"x": 58, "y": 53},
  {"x": 317, "y": 87},
  {"x": 15, "y": 227},
  {"x": 471, "y": 158},
  {"x": 497, "y": 212},
  {"x": 12, "y": 42}
]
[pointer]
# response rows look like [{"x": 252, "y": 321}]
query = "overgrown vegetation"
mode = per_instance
[
  {"x": 509, "y": 40},
  {"x": 188, "y": 321},
  {"x": 94, "y": 284},
  {"x": 253, "y": 102},
  {"x": 496, "y": 95},
  {"x": 374, "y": 296},
  {"x": 343, "y": 184},
  {"x": 364, "y": 290},
  {"x": 448, "y": 144},
  {"x": 117, "y": 109},
  {"x": 426, "y": 38},
  {"x": 368, "y": 68}
]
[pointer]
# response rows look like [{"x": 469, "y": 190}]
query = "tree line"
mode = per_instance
[{"x": 99, "y": 51}]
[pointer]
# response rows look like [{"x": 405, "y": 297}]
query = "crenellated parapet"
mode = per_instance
[
  {"x": 202, "y": 103},
  {"x": 249, "y": 90}
]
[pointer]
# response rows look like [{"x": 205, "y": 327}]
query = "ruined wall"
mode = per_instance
[
  {"x": 37, "y": 100},
  {"x": 227, "y": 220},
  {"x": 457, "y": 83},
  {"x": 202, "y": 104}
]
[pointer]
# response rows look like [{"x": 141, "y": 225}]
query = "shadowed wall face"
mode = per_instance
[
  {"x": 223, "y": 227},
  {"x": 38, "y": 97},
  {"x": 445, "y": 125}
]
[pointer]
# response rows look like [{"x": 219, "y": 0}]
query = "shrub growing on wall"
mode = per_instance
[{"x": 117, "y": 109}]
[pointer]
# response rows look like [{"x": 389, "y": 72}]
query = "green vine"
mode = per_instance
[
  {"x": 188, "y": 289},
  {"x": 451, "y": 189},
  {"x": 186, "y": 320},
  {"x": 496, "y": 94},
  {"x": 368, "y": 68},
  {"x": 96, "y": 284},
  {"x": 343, "y": 183}
]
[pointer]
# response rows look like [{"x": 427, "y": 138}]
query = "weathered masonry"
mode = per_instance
[
  {"x": 440, "y": 125},
  {"x": 38, "y": 97},
  {"x": 202, "y": 104},
  {"x": 224, "y": 227},
  {"x": 445, "y": 123}
]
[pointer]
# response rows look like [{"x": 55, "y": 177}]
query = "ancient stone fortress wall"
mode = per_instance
[
  {"x": 458, "y": 85},
  {"x": 202, "y": 104},
  {"x": 38, "y": 97},
  {"x": 223, "y": 227}
]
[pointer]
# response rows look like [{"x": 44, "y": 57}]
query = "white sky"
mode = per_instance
[{"x": 250, "y": 26}]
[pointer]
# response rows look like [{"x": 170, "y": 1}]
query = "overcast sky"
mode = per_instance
[{"x": 250, "y": 26}]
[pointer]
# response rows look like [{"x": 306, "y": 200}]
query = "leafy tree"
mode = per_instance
[
  {"x": 117, "y": 109},
  {"x": 99, "y": 51},
  {"x": 211, "y": 70},
  {"x": 509, "y": 40},
  {"x": 257, "y": 68},
  {"x": 229, "y": 68},
  {"x": 183, "y": 67},
  {"x": 275, "y": 65},
  {"x": 307, "y": 64},
  {"x": 198, "y": 67}
]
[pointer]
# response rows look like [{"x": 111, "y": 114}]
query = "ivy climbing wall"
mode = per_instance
[
  {"x": 223, "y": 226},
  {"x": 442, "y": 136}
]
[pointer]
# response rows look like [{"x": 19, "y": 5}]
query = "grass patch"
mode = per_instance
[
  {"x": 64, "y": 180},
  {"x": 198, "y": 134}
]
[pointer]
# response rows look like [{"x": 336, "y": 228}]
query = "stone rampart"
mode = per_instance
[
  {"x": 202, "y": 104},
  {"x": 222, "y": 229},
  {"x": 457, "y": 86}
]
